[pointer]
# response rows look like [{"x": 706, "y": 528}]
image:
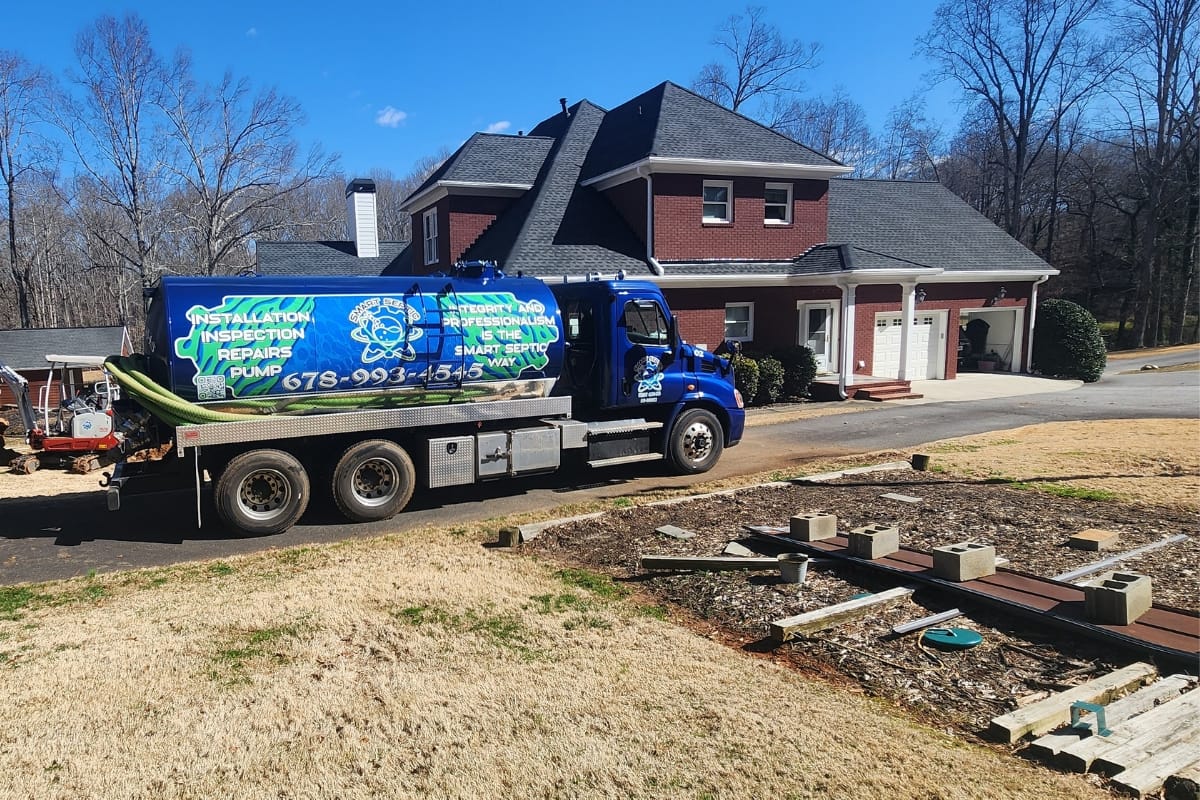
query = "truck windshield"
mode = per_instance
[{"x": 645, "y": 322}]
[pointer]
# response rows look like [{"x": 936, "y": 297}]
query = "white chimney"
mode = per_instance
[{"x": 360, "y": 217}]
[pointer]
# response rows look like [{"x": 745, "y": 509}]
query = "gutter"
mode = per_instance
[
  {"x": 1033, "y": 293},
  {"x": 643, "y": 170}
]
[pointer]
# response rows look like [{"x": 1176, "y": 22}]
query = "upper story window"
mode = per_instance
[
  {"x": 718, "y": 201},
  {"x": 429, "y": 226},
  {"x": 739, "y": 322},
  {"x": 777, "y": 204}
]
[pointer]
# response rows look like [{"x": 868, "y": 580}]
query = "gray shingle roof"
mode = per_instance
[
  {"x": 671, "y": 122},
  {"x": 27, "y": 349},
  {"x": 327, "y": 258},
  {"x": 906, "y": 224},
  {"x": 493, "y": 158},
  {"x": 559, "y": 227}
]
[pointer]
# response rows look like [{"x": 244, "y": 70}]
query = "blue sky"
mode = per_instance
[{"x": 392, "y": 82}]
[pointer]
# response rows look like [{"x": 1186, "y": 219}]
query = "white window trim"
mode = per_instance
[
  {"x": 428, "y": 227},
  {"x": 728, "y": 218},
  {"x": 787, "y": 219},
  {"x": 835, "y": 329},
  {"x": 749, "y": 322}
]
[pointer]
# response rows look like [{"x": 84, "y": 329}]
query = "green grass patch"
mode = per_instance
[
  {"x": 622, "y": 502},
  {"x": 13, "y": 600},
  {"x": 559, "y": 603},
  {"x": 220, "y": 569},
  {"x": 254, "y": 649},
  {"x": 1075, "y": 492},
  {"x": 652, "y": 611},
  {"x": 424, "y": 615},
  {"x": 597, "y": 583}
]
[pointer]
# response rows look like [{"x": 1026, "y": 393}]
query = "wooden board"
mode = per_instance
[
  {"x": 1153, "y": 741},
  {"x": 1115, "y": 713},
  {"x": 710, "y": 564},
  {"x": 784, "y": 629},
  {"x": 1150, "y": 774},
  {"x": 1046, "y": 715},
  {"x": 1181, "y": 711}
]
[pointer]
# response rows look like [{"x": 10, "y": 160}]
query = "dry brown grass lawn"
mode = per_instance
[{"x": 428, "y": 666}]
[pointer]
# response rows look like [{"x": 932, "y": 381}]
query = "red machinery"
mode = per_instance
[{"x": 78, "y": 429}]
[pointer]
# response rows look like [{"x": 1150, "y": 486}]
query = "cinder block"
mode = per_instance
[
  {"x": 812, "y": 527},
  {"x": 1094, "y": 539},
  {"x": 1117, "y": 598},
  {"x": 964, "y": 562},
  {"x": 874, "y": 541}
]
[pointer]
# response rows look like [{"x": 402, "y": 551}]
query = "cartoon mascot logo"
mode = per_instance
[
  {"x": 385, "y": 327},
  {"x": 649, "y": 379}
]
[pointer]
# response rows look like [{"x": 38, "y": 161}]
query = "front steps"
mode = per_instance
[{"x": 877, "y": 389}]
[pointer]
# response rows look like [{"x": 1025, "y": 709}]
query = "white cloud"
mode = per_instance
[
  {"x": 390, "y": 117},
  {"x": 498, "y": 127},
  {"x": 252, "y": 32}
]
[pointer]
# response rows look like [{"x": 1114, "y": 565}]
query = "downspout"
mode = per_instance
[
  {"x": 1033, "y": 293},
  {"x": 655, "y": 267}
]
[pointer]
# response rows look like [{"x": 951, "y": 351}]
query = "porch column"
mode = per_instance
[
  {"x": 908, "y": 308},
  {"x": 846, "y": 357}
]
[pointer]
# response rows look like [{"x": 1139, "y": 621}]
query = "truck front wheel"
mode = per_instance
[
  {"x": 262, "y": 492},
  {"x": 373, "y": 480},
  {"x": 696, "y": 442}
]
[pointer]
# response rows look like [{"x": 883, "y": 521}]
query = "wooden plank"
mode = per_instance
[
  {"x": 1080, "y": 756},
  {"x": 784, "y": 629},
  {"x": 1115, "y": 713},
  {"x": 1143, "y": 747},
  {"x": 1046, "y": 715},
  {"x": 707, "y": 564},
  {"x": 1149, "y": 775},
  {"x": 925, "y": 622},
  {"x": 1184, "y": 784}
]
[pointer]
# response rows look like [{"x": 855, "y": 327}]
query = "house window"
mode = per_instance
[
  {"x": 718, "y": 201},
  {"x": 739, "y": 321},
  {"x": 777, "y": 204},
  {"x": 429, "y": 223}
]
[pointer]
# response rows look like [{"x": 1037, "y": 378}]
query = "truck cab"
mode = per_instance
[{"x": 623, "y": 356}]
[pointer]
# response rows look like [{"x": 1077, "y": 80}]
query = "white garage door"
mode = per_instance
[{"x": 925, "y": 355}]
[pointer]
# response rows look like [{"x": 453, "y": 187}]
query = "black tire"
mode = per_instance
[
  {"x": 262, "y": 492},
  {"x": 696, "y": 443},
  {"x": 373, "y": 480}
]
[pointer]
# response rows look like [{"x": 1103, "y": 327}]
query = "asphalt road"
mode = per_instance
[{"x": 70, "y": 535}]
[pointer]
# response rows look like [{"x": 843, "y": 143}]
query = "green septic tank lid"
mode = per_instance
[{"x": 952, "y": 638}]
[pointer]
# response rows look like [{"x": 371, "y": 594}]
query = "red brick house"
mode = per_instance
[{"x": 752, "y": 236}]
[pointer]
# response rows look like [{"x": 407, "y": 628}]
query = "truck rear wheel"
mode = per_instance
[
  {"x": 696, "y": 442},
  {"x": 373, "y": 480},
  {"x": 262, "y": 492}
]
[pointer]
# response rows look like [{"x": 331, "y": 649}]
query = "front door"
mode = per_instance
[{"x": 816, "y": 333}]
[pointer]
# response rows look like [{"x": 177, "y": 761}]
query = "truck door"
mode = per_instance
[{"x": 648, "y": 369}]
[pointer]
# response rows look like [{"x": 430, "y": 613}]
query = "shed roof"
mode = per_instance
[{"x": 26, "y": 349}]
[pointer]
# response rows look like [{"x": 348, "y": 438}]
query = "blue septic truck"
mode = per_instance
[{"x": 370, "y": 388}]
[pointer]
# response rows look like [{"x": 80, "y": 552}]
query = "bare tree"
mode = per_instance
[
  {"x": 910, "y": 147},
  {"x": 24, "y": 90},
  {"x": 1026, "y": 61},
  {"x": 111, "y": 133},
  {"x": 836, "y": 126},
  {"x": 757, "y": 63},
  {"x": 237, "y": 159},
  {"x": 1158, "y": 90}
]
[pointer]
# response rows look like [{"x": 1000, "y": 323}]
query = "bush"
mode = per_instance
[
  {"x": 745, "y": 376},
  {"x": 799, "y": 369},
  {"x": 1067, "y": 342},
  {"x": 770, "y": 380}
]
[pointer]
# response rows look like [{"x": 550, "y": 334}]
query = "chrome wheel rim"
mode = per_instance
[
  {"x": 697, "y": 442},
  {"x": 375, "y": 482},
  {"x": 263, "y": 493}
]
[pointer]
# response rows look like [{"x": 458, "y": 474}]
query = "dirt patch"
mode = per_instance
[{"x": 1061, "y": 480}]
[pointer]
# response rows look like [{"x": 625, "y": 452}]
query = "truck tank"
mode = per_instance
[{"x": 298, "y": 344}]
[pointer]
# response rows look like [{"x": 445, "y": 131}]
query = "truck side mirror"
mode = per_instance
[{"x": 673, "y": 333}]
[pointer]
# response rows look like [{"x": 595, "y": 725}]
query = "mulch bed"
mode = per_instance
[{"x": 960, "y": 690}]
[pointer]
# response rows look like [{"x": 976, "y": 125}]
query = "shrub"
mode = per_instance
[
  {"x": 770, "y": 380},
  {"x": 745, "y": 376},
  {"x": 799, "y": 369},
  {"x": 1067, "y": 342}
]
